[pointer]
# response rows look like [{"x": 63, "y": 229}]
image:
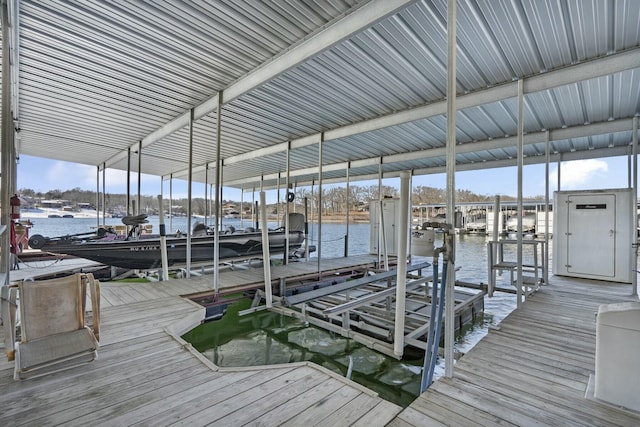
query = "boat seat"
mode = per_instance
[
  {"x": 53, "y": 331},
  {"x": 296, "y": 222},
  {"x": 199, "y": 229},
  {"x": 135, "y": 219}
]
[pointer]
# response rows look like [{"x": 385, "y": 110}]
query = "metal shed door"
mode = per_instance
[{"x": 591, "y": 234}]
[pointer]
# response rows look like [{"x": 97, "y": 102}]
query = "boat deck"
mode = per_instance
[{"x": 531, "y": 370}]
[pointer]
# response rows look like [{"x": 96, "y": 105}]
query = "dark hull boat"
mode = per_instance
[{"x": 143, "y": 252}]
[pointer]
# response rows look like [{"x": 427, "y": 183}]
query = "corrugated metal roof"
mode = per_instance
[{"x": 96, "y": 78}]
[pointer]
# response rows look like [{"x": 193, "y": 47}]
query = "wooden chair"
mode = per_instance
[{"x": 53, "y": 334}]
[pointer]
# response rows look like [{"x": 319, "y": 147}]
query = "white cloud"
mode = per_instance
[{"x": 582, "y": 174}]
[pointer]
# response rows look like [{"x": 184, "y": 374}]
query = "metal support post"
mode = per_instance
[
  {"x": 218, "y": 208},
  {"x": 401, "y": 279},
  {"x": 189, "y": 193},
  {"x": 634, "y": 276},
  {"x": 519, "y": 201},
  {"x": 449, "y": 325}
]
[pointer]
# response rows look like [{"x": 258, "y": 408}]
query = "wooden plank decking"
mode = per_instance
[
  {"x": 532, "y": 370},
  {"x": 146, "y": 375}
]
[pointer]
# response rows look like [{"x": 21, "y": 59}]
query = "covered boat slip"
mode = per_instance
[
  {"x": 257, "y": 95},
  {"x": 532, "y": 370}
]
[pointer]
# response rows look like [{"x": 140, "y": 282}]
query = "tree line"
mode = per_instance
[{"x": 334, "y": 199}]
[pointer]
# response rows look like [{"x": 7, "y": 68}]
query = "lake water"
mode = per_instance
[{"x": 266, "y": 337}]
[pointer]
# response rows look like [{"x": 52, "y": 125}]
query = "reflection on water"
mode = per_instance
[{"x": 264, "y": 338}]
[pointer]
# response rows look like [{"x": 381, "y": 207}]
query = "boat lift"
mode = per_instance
[{"x": 363, "y": 308}]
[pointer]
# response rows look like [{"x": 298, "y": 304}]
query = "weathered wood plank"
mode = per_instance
[
  {"x": 259, "y": 408},
  {"x": 480, "y": 417},
  {"x": 198, "y": 404},
  {"x": 534, "y": 369},
  {"x": 546, "y": 394},
  {"x": 243, "y": 398},
  {"x": 348, "y": 413},
  {"x": 381, "y": 414},
  {"x": 176, "y": 399},
  {"x": 283, "y": 413},
  {"x": 412, "y": 417},
  {"x": 125, "y": 387},
  {"x": 322, "y": 407}
]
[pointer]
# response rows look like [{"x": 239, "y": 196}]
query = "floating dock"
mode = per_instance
[{"x": 531, "y": 370}]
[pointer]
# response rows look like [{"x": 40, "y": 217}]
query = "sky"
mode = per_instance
[{"x": 591, "y": 174}]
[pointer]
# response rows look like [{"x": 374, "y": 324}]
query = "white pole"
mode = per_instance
[
  {"x": 401, "y": 279},
  {"x": 98, "y": 197},
  {"x": 519, "y": 202},
  {"x": 546, "y": 210},
  {"x": 634, "y": 276},
  {"x": 287, "y": 204},
  {"x": 449, "y": 325},
  {"x": 559, "y": 165},
  {"x": 189, "y": 193},
  {"x": 163, "y": 241},
  {"x": 265, "y": 250},
  {"x": 495, "y": 236},
  {"x": 218, "y": 199},
  {"x": 320, "y": 201}
]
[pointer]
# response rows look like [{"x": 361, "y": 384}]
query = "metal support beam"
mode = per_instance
[
  {"x": 7, "y": 154},
  {"x": 520, "y": 227},
  {"x": 139, "y": 198},
  {"x": 98, "y": 197},
  {"x": 401, "y": 278},
  {"x": 319, "y": 245},
  {"x": 189, "y": 195},
  {"x": 287, "y": 205},
  {"x": 604, "y": 66},
  {"x": 600, "y": 128},
  {"x": 129, "y": 181},
  {"x": 354, "y": 21},
  {"x": 346, "y": 237},
  {"x": 547, "y": 154},
  {"x": 104, "y": 195},
  {"x": 218, "y": 208},
  {"x": 449, "y": 324},
  {"x": 559, "y": 169},
  {"x": 634, "y": 142}
]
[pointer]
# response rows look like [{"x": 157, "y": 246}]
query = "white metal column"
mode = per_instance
[
  {"x": 189, "y": 194},
  {"x": 139, "y": 179},
  {"x": 519, "y": 201},
  {"x": 218, "y": 208},
  {"x": 287, "y": 185},
  {"x": 634, "y": 140},
  {"x": 449, "y": 324},
  {"x": 346, "y": 237},
  {"x": 319, "y": 245},
  {"x": 401, "y": 278},
  {"x": 98, "y": 197},
  {"x": 547, "y": 155}
]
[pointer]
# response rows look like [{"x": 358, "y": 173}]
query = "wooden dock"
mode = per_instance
[
  {"x": 147, "y": 375},
  {"x": 531, "y": 370}
]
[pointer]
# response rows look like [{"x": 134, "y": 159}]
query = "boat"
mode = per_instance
[
  {"x": 528, "y": 223},
  {"x": 87, "y": 210},
  {"x": 48, "y": 209},
  {"x": 140, "y": 251}
]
